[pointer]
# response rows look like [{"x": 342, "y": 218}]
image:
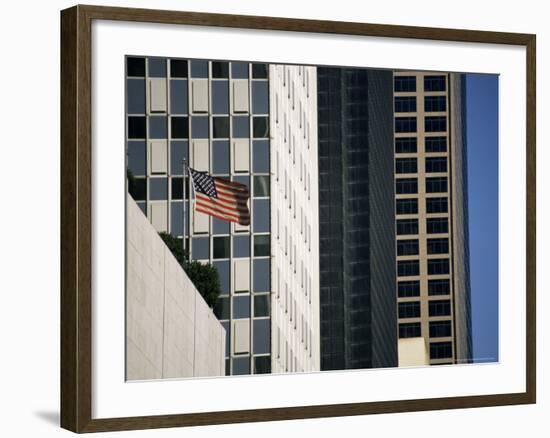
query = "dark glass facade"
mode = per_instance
[{"x": 356, "y": 219}]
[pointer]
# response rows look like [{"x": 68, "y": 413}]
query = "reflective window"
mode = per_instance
[
  {"x": 262, "y": 365},
  {"x": 406, "y": 185},
  {"x": 178, "y": 97},
  {"x": 434, "y": 83},
  {"x": 436, "y": 205},
  {"x": 438, "y": 246},
  {"x": 407, "y": 247},
  {"x": 158, "y": 127},
  {"x": 262, "y": 245},
  {"x": 200, "y": 248},
  {"x": 223, "y": 273},
  {"x": 405, "y": 145},
  {"x": 220, "y": 69},
  {"x": 439, "y": 308},
  {"x": 260, "y": 127},
  {"x": 406, "y": 165},
  {"x": 259, "y": 71},
  {"x": 241, "y": 128},
  {"x": 135, "y": 96},
  {"x": 441, "y": 350},
  {"x": 407, "y": 226},
  {"x": 439, "y": 287},
  {"x": 239, "y": 70},
  {"x": 406, "y": 206},
  {"x": 219, "y": 226},
  {"x": 241, "y": 365},
  {"x": 241, "y": 306},
  {"x": 220, "y": 157},
  {"x": 408, "y": 268},
  {"x": 436, "y": 185},
  {"x": 199, "y": 69},
  {"x": 260, "y": 156},
  {"x": 220, "y": 127},
  {"x": 241, "y": 246},
  {"x": 262, "y": 336},
  {"x": 261, "y": 215},
  {"x": 436, "y": 164},
  {"x": 137, "y": 127},
  {"x": 409, "y": 309},
  {"x": 440, "y": 329},
  {"x": 262, "y": 280},
  {"x": 199, "y": 127},
  {"x": 220, "y": 97},
  {"x": 222, "y": 308},
  {"x": 435, "y": 103},
  {"x": 157, "y": 67},
  {"x": 437, "y": 225},
  {"x": 176, "y": 218},
  {"x": 261, "y": 186},
  {"x": 178, "y": 151},
  {"x": 137, "y": 157},
  {"x": 438, "y": 266},
  {"x": 408, "y": 288},
  {"x": 435, "y": 144},
  {"x": 261, "y": 305},
  {"x": 178, "y": 68},
  {"x": 260, "y": 97},
  {"x": 409, "y": 330},
  {"x": 405, "y": 104},
  {"x": 435, "y": 124},
  {"x": 158, "y": 188},
  {"x": 221, "y": 247},
  {"x": 405, "y": 124},
  {"x": 135, "y": 66},
  {"x": 180, "y": 127},
  {"x": 404, "y": 83}
]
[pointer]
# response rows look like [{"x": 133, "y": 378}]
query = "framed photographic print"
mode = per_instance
[{"x": 268, "y": 218}]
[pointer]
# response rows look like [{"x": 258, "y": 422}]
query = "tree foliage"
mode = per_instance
[{"x": 204, "y": 276}]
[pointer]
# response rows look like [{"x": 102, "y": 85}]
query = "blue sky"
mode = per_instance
[{"x": 482, "y": 143}]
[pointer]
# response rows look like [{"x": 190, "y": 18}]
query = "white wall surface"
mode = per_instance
[{"x": 29, "y": 315}]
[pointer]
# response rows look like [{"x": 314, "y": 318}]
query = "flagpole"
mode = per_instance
[{"x": 184, "y": 199}]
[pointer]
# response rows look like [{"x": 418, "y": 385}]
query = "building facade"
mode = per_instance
[
  {"x": 356, "y": 219},
  {"x": 294, "y": 215},
  {"x": 433, "y": 284},
  {"x": 216, "y": 116}
]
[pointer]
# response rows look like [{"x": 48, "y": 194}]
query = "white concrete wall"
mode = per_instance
[
  {"x": 170, "y": 330},
  {"x": 295, "y": 334}
]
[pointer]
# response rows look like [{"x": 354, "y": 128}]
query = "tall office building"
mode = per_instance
[
  {"x": 218, "y": 115},
  {"x": 356, "y": 219},
  {"x": 431, "y": 214}
]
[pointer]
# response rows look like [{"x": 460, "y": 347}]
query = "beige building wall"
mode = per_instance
[
  {"x": 295, "y": 331},
  {"x": 412, "y": 352},
  {"x": 170, "y": 330}
]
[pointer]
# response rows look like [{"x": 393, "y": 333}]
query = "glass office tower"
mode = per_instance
[{"x": 356, "y": 219}]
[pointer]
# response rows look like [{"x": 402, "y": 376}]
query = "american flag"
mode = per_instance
[{"x": 221, "y": 198}]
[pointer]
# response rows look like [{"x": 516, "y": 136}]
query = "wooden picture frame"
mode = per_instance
[{"x": 76, "y": 218}]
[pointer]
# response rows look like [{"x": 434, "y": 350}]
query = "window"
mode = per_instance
[
  {"x": 262, "y": 365},
  {"x": 261, "y": 245},
  {"x": 439, "y": 287},
  {"x": 409, "y": 330},
  {"x": 436, "y": 185},
  {"x": 239, "y": 70},
  {"x": 407, "y": 247},
  {"x": 406, "y": 185},
  {"x": 158, "y": 127},
  {"x": 137, "y": 127},
  {"x": 436, "y": 164},
  {"x": 220, "y": 70},
  {"x": 199, "y": 127},
  {"x": 260, "y": 127},
  {"x": 440, "y": 329},
  {"x": 135, "y": 102},
  {"x": 200, "y": 248},
  {"x": 177, "y": 188},
  {"x": 407, "y": 226},
  {"x": 180, "y": 127},
  {"x": 437, "y": 225},
  {"x": 409, "y": 310},
  {"x": 439, "y": 308},
  {"x": 220, "y": 157},
  {"x": 261, "y": 215},
  {"x": 261, "y": 269},
  {"x": 259, "y": 71},
  {"x": 179, "y": 97},
  {"x": 221, "y": 247},
  {"x": 137, "y": 187},
  {"x": 220, "y": 127},
  {"x": 241, "y": 307},
  {"x": 241, "y": 246},
  {"x": 260, "y": 156},
  {"x": 405, "y": 104},
  {"x": 158, "y": 189},
  {"x": 220, "y": 97},
  {"x": 405, "y": 145},
  {"x": 404, "y": 83},
  {"x": 441, "y": 350},
  {"x": 157, "y": 67},
  {"x": 435, "y": 103},
  {"x": 178, "y": 68},
  {"x": 262, "y": 336},
  {"x": 408, "y": 268},
  {"x": 406, "y": 165},
  {"x": 261, "y": 186},
  {"x": 221, "y": 308},
  {"x": 436, "y": 205},
  {"x": 435, "y": 144},
  {"x": 406, "y": 206},
  {"x": 438, "y": 266},
  {"x": 408, "y": 289},
  {"x": 261, "y": 305},
  {"x": 199, "y": 69},
  {"x": 241, "y": 128},
  {"x": 435, "y": 124},
  {"x": 405, "y": 124},
  {"x": 135, "y": 66},
  {"x": 438, "y": 246},
  {"x": 137, "y": 158},
  {"x": 260, "y": 97},
  {"x": 434, "y": 83}
]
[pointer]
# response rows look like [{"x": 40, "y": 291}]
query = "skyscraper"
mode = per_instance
[
  {"x": 431, "y": 214},
  {"x": 219, "y": 117},
  {"x": 356, "y": 219}
]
